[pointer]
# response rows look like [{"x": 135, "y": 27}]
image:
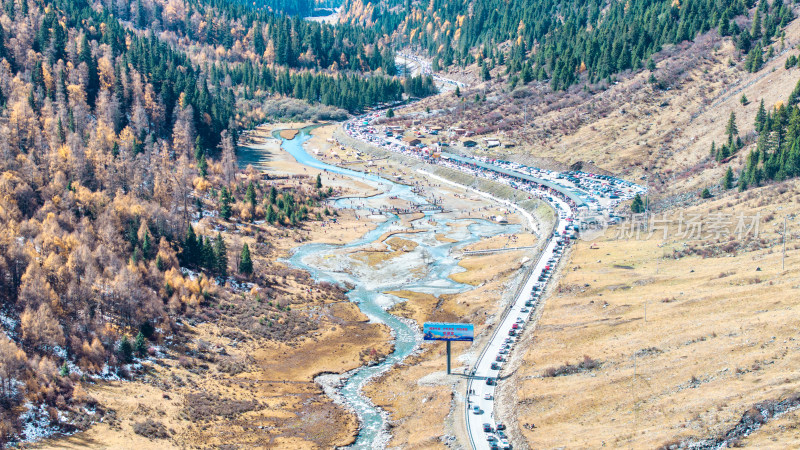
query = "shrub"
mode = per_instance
[
  {"x": 586, "y": 365},
  {"x": 151, "y": 429}
]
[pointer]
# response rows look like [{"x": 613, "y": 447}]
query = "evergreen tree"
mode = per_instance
[
  {"x": 245, "y": 263},
  {"x": 706, "y": 193},
  {"x": 139, "y": 345},
  {"x": 637, "y": 206},
  {"x": 207, "y": 256},
  {"x": 225, "y": 201},
  {"x": 125, "y": 350},
  {"x": 271, "y": 215},
  {"x": 147, "y": 246},
  {"x": 93, "y": 81},
  {"x": 273, "y": 195},
  {"x": 390, "y": 113},
  {"x": 761, "y": 116},
  {"x": 258, "y": 39},
  {"x": 221, "y": 253},
  {"x": 727, "y": 180},
  {"x": 191, "y": 253},
  {"x": 319, "y": 182},
  {"x": 731, "y": 130},
  {"x": 64, "y": 370},
  {"x": 485, "y": 75},
  {"x": 250, "y": 195}
]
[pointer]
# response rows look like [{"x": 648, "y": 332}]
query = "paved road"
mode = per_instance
[
  {"x": 565, "y": 193},
  {"x": 481, "y": 394}
]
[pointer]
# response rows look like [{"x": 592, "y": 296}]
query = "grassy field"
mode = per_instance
[{"x": 689, "y": 335}]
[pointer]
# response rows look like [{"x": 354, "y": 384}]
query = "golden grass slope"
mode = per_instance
[{"x": 720, "y": 334}]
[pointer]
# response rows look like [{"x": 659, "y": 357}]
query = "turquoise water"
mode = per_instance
[{"x": 425, "y": 269}]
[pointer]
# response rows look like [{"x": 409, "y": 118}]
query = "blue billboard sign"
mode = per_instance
[{"x": 434, "y": 331}]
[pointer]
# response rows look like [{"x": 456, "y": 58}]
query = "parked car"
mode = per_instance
[
  {"x": 487, "y": 427},
  {"x": 476, "y": 409}
]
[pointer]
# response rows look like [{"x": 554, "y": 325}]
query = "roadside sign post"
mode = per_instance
[
  {"x": 448, "y": 357},
  {"x": 448, "y": 332}
]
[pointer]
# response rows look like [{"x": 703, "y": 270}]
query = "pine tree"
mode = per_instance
[
  {"x": 731, "y": 130},
  {"x": 208, "y": 256},
  {"x": 221, "y": 254},
  {"x": 225, "y": 201},
  {"x": 727, "y": 180},
  {"x": 319, "y": 182},
  {"x": 250, "y": 195},
  {"x": 706, "y": 193},
  {"x": 273, "y": 195},
  {"x": 139, "y": 345},
  {"x": 125, "y": 350},
  {"x": 761, "y": 116},
  {"x": 485, "y": 75},
  {"x": 245, "y": 263},
  {"x": 147, "y": 246},
  {"x": 390, "y": 113},
  {"x": 637, "y": 206},
  {"x": 258, "y": 39},
  {"x": 191, "y": 248}
]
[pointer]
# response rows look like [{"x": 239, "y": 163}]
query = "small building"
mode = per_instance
[
  {"x": 509, "y": 144},
  {"x": 458, "y": 131},
  {"x": 411, "y": 140},
  {"x": 490, "y": 143},
  {"x": 469, "y": 143}
]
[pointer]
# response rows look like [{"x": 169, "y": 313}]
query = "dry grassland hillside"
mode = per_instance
[{"x": 689, "y": 336}]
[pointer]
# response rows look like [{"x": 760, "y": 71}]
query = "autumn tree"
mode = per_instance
[
  {"x": 40, "y": 329},
  {"x": 228, "y": 157}
]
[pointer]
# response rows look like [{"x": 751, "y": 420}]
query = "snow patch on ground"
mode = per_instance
[
  {"x": 8, "y": 325},
  {"x": 36, "y": 423}
]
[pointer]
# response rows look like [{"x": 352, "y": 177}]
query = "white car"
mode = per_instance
[{"x": 487, "y": 397}]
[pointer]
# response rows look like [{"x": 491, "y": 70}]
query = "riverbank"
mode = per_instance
[
  {"x": 228, "y": 383},
  {"x": 421, "y": 379}
]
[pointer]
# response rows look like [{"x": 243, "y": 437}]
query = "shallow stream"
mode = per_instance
[{"x": 426, "y": 269}]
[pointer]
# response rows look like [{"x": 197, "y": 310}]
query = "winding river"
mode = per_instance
[{"x": 425, "y": 269}]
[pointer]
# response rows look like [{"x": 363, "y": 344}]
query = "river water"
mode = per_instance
[{"x": 426, "y": 269}]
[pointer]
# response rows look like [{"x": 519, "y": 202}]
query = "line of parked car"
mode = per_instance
[{"x": 599, "y": 192}]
